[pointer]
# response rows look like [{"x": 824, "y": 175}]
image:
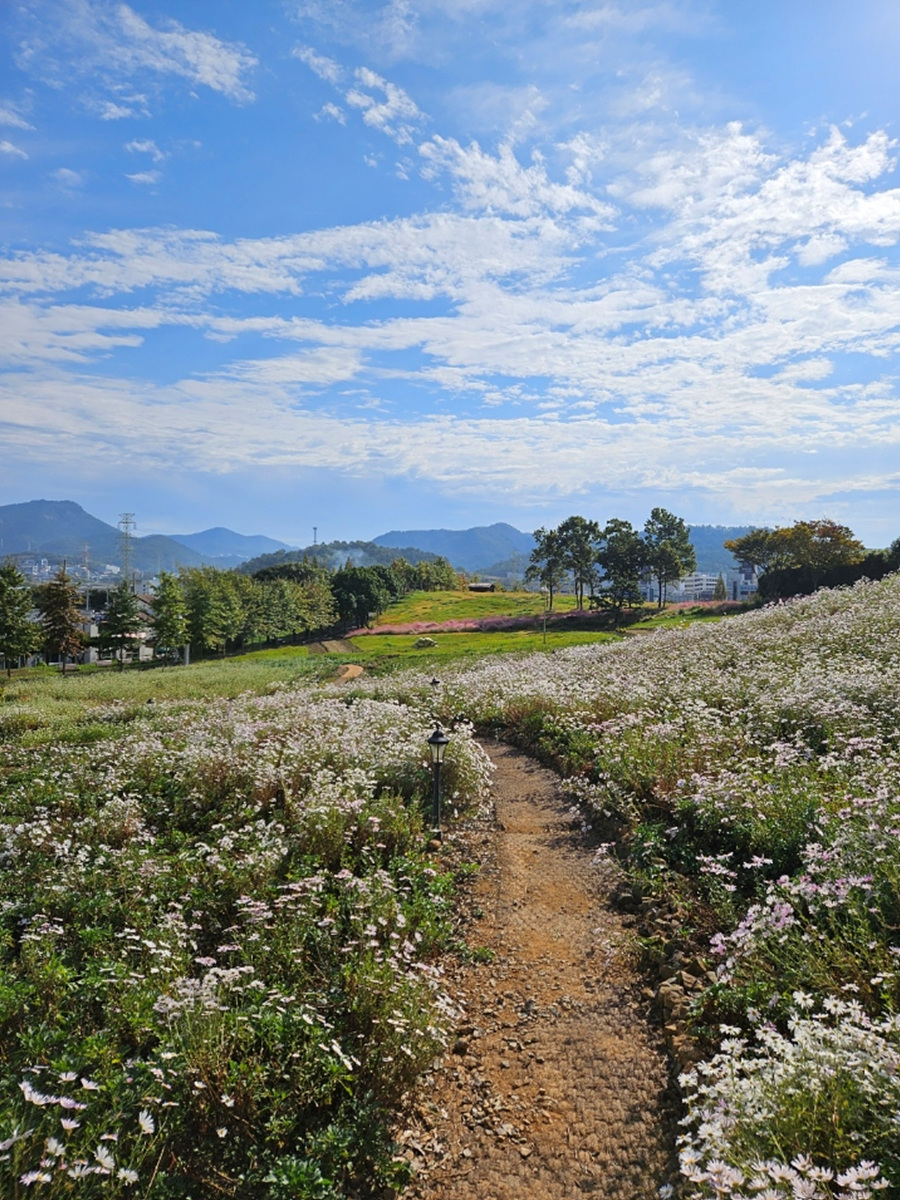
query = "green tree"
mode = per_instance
[
  {"x": 669, "y": 553},
  {"x": 579, "y": 539},
  {"x": 358, "y": 593},
  {"x": 121, "y": 621},
  {"x": 170, "y": 631},
  {"x": 18, "y": 634},
  {"x": 621, "y": 554},
  {"x": 60, "y": 617},
  {"x": 547, "y": 564},
  {"x": 215, "y": 612},
  {"x": 758, "y": 549},
  {"x": 720, "y": 592}
]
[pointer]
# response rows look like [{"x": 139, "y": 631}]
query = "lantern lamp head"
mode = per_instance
[{"x": 437, "y": 744}]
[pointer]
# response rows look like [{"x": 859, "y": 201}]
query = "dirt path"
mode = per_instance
[{"x": 557, "y": 1085}]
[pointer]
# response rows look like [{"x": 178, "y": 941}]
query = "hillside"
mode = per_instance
[
  {"x": 468, "y": 549},
  {"x": 58, "y": 529},
  {"x": 336, "y": 554},
  {"x": 501, "y": 550},
  {"x": 220, "y": 543}
]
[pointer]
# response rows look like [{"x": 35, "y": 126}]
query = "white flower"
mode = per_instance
[{"x": 146, "y": 1122}]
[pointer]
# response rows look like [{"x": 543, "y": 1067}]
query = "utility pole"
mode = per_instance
[
  {"x": 126, "y": 533},
  {"x": 315, "y": 535}
]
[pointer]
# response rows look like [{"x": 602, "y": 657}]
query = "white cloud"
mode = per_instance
[
  {"x": 13, "y": 151},
  {"x": 145, "y": 146},
  {"x": 325, "y": 68},
  {"x": 67, "y": 178},
  {"x": 394, "y": 113},
  {"x": 332, "y": 112},
  {"x": 145, "y": 177},
  {"x": 8, "y": 116},
  {"x": 98, "y": 38}
]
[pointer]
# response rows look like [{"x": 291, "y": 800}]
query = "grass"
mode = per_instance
[
  {"x": 376, "y": 649},
  {"x": 456, "y": 606}
]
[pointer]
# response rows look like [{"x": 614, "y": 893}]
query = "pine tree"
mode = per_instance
[
  {"x": 721, "y": 592},
  {"x": 121, "y": 621},
  {"x": 18, "y": 634},
  {"x": 61, "y": 619}
]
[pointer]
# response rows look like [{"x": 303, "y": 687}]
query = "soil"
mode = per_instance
[{"x": 557, "y": 1083}]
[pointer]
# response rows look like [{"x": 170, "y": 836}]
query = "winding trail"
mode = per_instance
[{"x": 557, "y": 1085}]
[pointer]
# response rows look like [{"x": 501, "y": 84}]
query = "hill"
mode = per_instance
[
  {"x": 58, "y": 529},
  {"x": 336, "y": 554},
  {"x": 469, "y": 549},
  {"x": 220, "y": 543},
  {"x": 502, "y": 550}
]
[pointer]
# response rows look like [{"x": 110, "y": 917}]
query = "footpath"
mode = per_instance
[{"x": 557, "y": 1082}]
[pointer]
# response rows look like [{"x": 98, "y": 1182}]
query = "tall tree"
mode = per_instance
[
  {"x": 18, "y": 634},
  {"x": 621, "y": 556},
  {"x": 579, "y": 539},
  {"x": 170, "y": 630},
  {"x": 547, "y": 565},
  {"x": 61, "y": 619},
  {"x": 359, "y": 592},
  {"x": 670, "y": 554},
  {"x": 720, "y": 592},
  {"x": 121, "y": 621}
]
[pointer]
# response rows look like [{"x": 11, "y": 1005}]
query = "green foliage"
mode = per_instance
[
  {"x": 170, "y": 629},
  {"x": 61, "y": 618},
  {"x": 547, "y": 565},
  {"x": 360, "y": 594},
  {"x": 578, "y": 539},
  {"x": 19, "y": 636},
  {"x": 669, "y": 553},
  {"x": 121, "y": 621},
  {"x": 621, "y": 555}
]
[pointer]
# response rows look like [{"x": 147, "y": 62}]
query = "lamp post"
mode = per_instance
[{"x": 437, "y": 745}]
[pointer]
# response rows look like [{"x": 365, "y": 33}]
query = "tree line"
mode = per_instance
[
  {"x": 794, "y": 560},
  {"x": 613, "y": 560},
  {"x": 209, "y": 609}
]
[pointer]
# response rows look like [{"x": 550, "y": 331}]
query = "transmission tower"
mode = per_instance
[{"x": 126, "y": 532}]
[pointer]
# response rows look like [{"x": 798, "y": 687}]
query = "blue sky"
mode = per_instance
[{"x": 369, "y": 265}]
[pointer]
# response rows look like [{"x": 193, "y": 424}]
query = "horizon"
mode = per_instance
[{"x": 309, "y": 265}]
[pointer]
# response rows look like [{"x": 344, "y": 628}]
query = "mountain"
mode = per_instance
[
  {"x": 58, "y": 529},
  {"x": 469, "y": 549},
  {"x": 335, "y": 555},
  {"x": 712, "y": 557},
  {"x": 225, "y": 543}
]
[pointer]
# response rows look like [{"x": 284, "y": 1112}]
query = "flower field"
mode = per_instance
[
  {"x": 222, "y": 929},
  {"x": 754, "y": 768},
  {"x": 219, "y": 931}
]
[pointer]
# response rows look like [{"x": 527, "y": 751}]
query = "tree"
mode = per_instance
[
  {"x": 720, "y": 592},
  {"x": 669, "y": 552},
  {"x": 579, "y": 538},
  {"x": 121, "y": 621},
  {"x": 758, "y": 549},
  {"x": 170, "y": 630},
  {"x": 359, "y": 592},
  {"x": 621, "y": 557},
  {"x": 61, "y": 620},
  {"x": 215, "y": 613},
  {"x": 18, "y": 634},
  {"x": 547, "y": 565}
]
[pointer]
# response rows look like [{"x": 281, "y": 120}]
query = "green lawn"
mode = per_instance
[
  {"x": 460, "y": 606},
  {"x": 375, "y": 647}
]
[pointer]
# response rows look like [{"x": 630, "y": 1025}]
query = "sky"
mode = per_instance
[{"x": 439, "y": 263}]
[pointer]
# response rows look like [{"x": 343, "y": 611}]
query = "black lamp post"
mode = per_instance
[{"x": 437, "y": 745}]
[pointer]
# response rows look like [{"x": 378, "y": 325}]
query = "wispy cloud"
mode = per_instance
[
  {"x": 13, "y": 151},
  {"x": 67, "y": 38},
  {"x": 13, "y": 119},
  {"x": 145, "y": 146}
]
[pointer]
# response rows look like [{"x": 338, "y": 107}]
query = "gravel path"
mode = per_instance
[{"x": 557, "y": 1084}]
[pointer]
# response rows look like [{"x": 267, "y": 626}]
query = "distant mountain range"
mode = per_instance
[
  {"x": 59, "y": 529},
  {"x": 468, "y": 549},
  {"x": 502, "y": 551}
]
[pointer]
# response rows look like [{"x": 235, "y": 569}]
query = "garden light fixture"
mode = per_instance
[{"x": 437, "y": 746}]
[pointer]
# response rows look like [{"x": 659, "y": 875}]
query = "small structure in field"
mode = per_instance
[{"x": 482, "y": 587}]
